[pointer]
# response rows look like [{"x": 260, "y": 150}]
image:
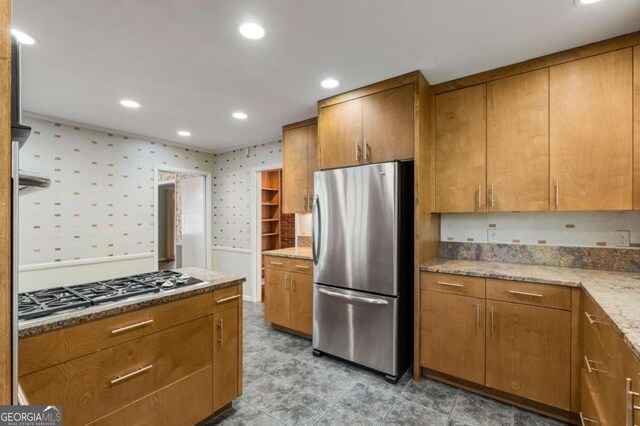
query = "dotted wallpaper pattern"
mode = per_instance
[
  {"x": 100, "y": 202},
  {"x": 232, "y": 192}
]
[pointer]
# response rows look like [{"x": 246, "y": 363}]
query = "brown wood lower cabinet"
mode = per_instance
[
  {"x": 289, "y": 293},
  {"x": 529, "y": 352},
  {"x": 453, "y": 335},
  {"x": 178, "y": 372}
]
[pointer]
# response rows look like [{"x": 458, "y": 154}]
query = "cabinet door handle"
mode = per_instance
[
  {"x": 221, "y": 327},
  {"x": 286, "y": 282},
  {"x": 557, "y": 192},
  {"x": 302, "y": 203},
  {"x": 479, "y": 200},
  {"x": 492, "y": 191},
  {"x": 478, "y": 317},
  {"x": 630, "y": 407},
  {"x": 524, "y": 293},
  {"x": 131, "y": 327},
  {"x": 492, "y": 315},
  {"x": 226, "y": 299},
  {"x": 584, "y": 420},
  {"x": 357, "y": 151},
  {"x": 367, "y": 151},
  {"x": 293, "y": 284},
  {"x": 591, "y": 369},
  {"x": 591, "y": 319},
  {"x": 449, "y": 284},
  {"x": 132, "y": 374}
]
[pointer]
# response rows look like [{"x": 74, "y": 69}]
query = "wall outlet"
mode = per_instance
[
  {"x": 492, "y": 235},
  {"x": 623, "y": 238}
]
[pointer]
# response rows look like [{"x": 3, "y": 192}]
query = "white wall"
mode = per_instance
[
  {"x": 580, "y": 229},
  {"x": 237, "y": 262}
]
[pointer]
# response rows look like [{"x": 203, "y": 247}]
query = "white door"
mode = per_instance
[{"x": 193, "y": 222}]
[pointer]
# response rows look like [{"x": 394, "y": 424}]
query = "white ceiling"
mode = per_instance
[{"x": 188, "y": 66}]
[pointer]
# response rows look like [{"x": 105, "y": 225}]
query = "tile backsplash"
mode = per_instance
[{"x": 573, "y": 229}]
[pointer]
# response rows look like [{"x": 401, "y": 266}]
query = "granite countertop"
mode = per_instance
[
  {"x": 212, "y": 280},
  {"x": 617, "y": 293},
  {"x": 292, "y": 253}
]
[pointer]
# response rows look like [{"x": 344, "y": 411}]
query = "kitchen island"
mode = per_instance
[{"x": 171, "y": 357}]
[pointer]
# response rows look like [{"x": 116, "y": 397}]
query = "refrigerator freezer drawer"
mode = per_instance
[{"x": 356, "y": 326}]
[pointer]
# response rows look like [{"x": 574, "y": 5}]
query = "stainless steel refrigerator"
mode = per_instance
[{"x": 363, "y": 266}]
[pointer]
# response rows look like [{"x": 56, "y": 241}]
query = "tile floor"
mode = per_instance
[{"x": 285, "y": 384}]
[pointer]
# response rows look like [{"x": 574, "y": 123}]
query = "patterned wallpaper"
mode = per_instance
[
  {"x": 578, "y": 229},
  {"x": 232, "y": 192},
  {"x": 100, "y": 202}
]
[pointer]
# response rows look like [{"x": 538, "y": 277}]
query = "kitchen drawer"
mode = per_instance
[
  {"x": 276, "y": 262},
  {"x": 549, "y": 296},
  {"x": 301, "y": 266},
  {"x": 166, "y": 406},
  {"x": 453, "y": 284},
  {"x": 227, "y": 298},
  {"x": 95, "y": 385},
  {"x": 48, "y": 349},
  {"x": 589, "y": 410}
]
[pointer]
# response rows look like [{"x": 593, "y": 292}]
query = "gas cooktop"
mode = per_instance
[{"x": 36, "y": 304}]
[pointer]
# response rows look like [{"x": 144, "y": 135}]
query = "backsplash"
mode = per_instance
[
  {"x": 100, "y": 203},
  {"x": 572, "y": 229},
  {"x": 232, "y": 192},
  {"x": 613, "y": 259}
]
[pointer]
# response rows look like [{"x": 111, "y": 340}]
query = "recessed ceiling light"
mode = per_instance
[
  {"x": 239, "y": 115},
  {"x": 577, "y": 2},
  {"x": 23, "y": 38},
  {"x": 329, "y": 83},
  {"x": 251, "y": 30},
  {"x": 184, "y": 133},
  {"x": 129, "y": 103}
]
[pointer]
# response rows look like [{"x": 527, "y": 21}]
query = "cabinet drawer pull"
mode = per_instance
[
  {"x": 524, "y": 293},
  {"x": 130, "y": 375},
  {"x": 131, "y": 327},
  {"x": 591, "y": 369},
  {"x": 277, "y": 263},
  {"x": 449, "y": 284},
  {"x": 301, "y": 266},
  {"x": 591, "y": 319},
  {"x": 226, "y": 299},
  {"x": 584, "y": 420}
]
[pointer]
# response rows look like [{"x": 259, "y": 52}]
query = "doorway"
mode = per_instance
[{"x": 183, "y": 225}]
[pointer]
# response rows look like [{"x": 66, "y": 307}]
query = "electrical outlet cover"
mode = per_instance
[
  {"x": 492, "y": 235},
  {"x": 623, "y": 238}
]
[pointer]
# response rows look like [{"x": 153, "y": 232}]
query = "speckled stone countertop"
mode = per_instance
[
  {"x": 212, "y": 281},
  {"x": 292, "y": 253},
  {"x": 617, "y": 293}
]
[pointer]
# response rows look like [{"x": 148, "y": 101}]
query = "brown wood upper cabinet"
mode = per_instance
[
  {"x": 591, "y": 133},
  {"x": 374, "y": 128},
  {"x": 461, "y": 150},
  {"x": 300, "y": 159},
  {"x": 518, "y": 142},
  {"x": 636, "y": 127}
]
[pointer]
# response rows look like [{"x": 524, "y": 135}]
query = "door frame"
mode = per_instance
[
  {"x": 207, "y": 204},
  {"x": 256, "y": 212},
  {"x": 166, "y": 183}
]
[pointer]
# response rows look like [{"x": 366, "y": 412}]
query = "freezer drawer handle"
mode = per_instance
[{"x": 369, "y": 300}]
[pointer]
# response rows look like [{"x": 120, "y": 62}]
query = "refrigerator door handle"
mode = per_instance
[
  {"x": 315, "y": 229},
  {"x": 369, "y": 300}
]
